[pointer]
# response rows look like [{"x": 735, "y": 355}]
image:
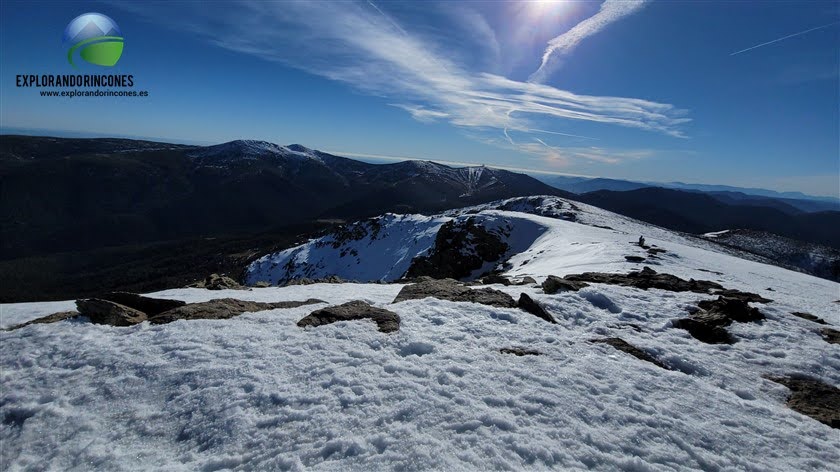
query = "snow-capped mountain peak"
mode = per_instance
[{"x": 253, "y": 149}]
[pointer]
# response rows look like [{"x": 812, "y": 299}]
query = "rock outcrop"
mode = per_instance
[
  {"x": 813, "y": 398},
  {"x": 106, "y": 312},
  {"x": 386, "y": 321},
  {"x": 809, "y": 317},
  {"x": 645, "y": 279},
  {"x": 452, "y": 290},
  {"x": 222, "y": 309},
  {"x": 148, "y": 305},
  {"x": 461, "y": 248},
  {"x": 53, "y": 318},
  {"x": 218, "y": 282}
]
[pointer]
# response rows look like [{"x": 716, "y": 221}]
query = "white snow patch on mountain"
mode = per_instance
[
  {"x": 251, "y": 150},
  {"x": 375, "y": 249}
]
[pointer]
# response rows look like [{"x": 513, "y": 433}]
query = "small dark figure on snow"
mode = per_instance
[{"x": 641, "y": 241}]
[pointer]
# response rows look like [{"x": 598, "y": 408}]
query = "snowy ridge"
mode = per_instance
[
  {"x": 251, "y": 149},
  {"x": 386, "y": 245},
  {"x": 381, "y": 249},
  {"x": 258, "y": 392}
]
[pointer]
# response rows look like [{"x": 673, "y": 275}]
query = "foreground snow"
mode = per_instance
[{"x": 257, "y": 392}]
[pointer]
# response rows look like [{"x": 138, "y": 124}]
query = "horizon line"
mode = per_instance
[{"x": 12, "y": 131}]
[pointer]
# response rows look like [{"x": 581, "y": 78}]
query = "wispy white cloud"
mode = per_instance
[
  {"x": 610, "y": 12},
  {"x": 361, "y": 45},
  {"x": 783, "y": 38},
  {"x": 421, "y": 114}
]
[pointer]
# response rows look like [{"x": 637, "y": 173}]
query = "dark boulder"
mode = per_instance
[
  {"x": 809, "y": 317},
  {"x": 813, "y": 398},
  {"x": 554, "y": 284},
  {"x": 222, "y": 309},
  {"x": 525, "y": 281},
  {"x": 723, "y": 311},
  {"x": 149, "y": 306},
  {"x": 496, "y": 279},
  {"x": 831, "y": 336},
  {"x": 452, "y": 290},
  {"x": 528, "y": 304},
  {"x": 634, "y": 351},
  {"x": 704, "y": 332},
  {"x": 634, "y": 258},
  {"x": 109, "y": 313},
  {"x": 386, "y": 321}
]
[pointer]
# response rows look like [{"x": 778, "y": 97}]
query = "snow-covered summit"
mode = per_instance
[{"x": 252, "y": 149}]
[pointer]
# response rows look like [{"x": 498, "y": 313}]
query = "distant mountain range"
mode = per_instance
[
  {"x": 697, "y": 212},
  {"x": 74, "y": 194},
  {"x": 724, "y": 193}
]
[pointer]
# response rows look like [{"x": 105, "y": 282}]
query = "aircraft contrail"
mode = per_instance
[
  {"x": 561, "y": 134},
  {"x": 783, "y": 38}
]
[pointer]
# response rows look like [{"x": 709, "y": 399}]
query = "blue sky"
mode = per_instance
[{"x": 637, "y": 90}]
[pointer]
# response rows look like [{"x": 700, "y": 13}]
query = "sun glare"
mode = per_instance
[{"x": 540, "y": 8}]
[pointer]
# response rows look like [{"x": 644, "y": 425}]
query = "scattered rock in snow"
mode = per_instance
[
  {"x": 386, "y": 321},
  {"x": 333, "y": 279},
  {"x": 634, "y": 351},
  {"x": 218, "y": 282},
  {"x": 745, "y": 296},
  {"x": 525, "y": 281},
  {"x": 656, "y": 250},
  {"x": 724, "y": 310},
  {"x": 528, "y": 304},
  {"x": 448, "y": 289},
  {"x": 518, "y": 351},
  {"x": 831, "y": 336},
  {"x": 53, "y": 318},
  {"x": 148, "y": 305},
  {"x": 645, "y": 279},
  {"x": 634, "y": 258},
  {"x": 222, "y": 309},
  {"x": 704, "y": 332},
  {"x": 707, "y": 323},
  {"x": 461, "y": 247},
  {"x": 813, "y": 398},
  {"x": 109, "y": 313},
  {"x": 262, "y": 284},
  {"x": 554, "y": 284},
  {"x": 809, "y": 317},
  {"x": 496, "y": 279}
]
